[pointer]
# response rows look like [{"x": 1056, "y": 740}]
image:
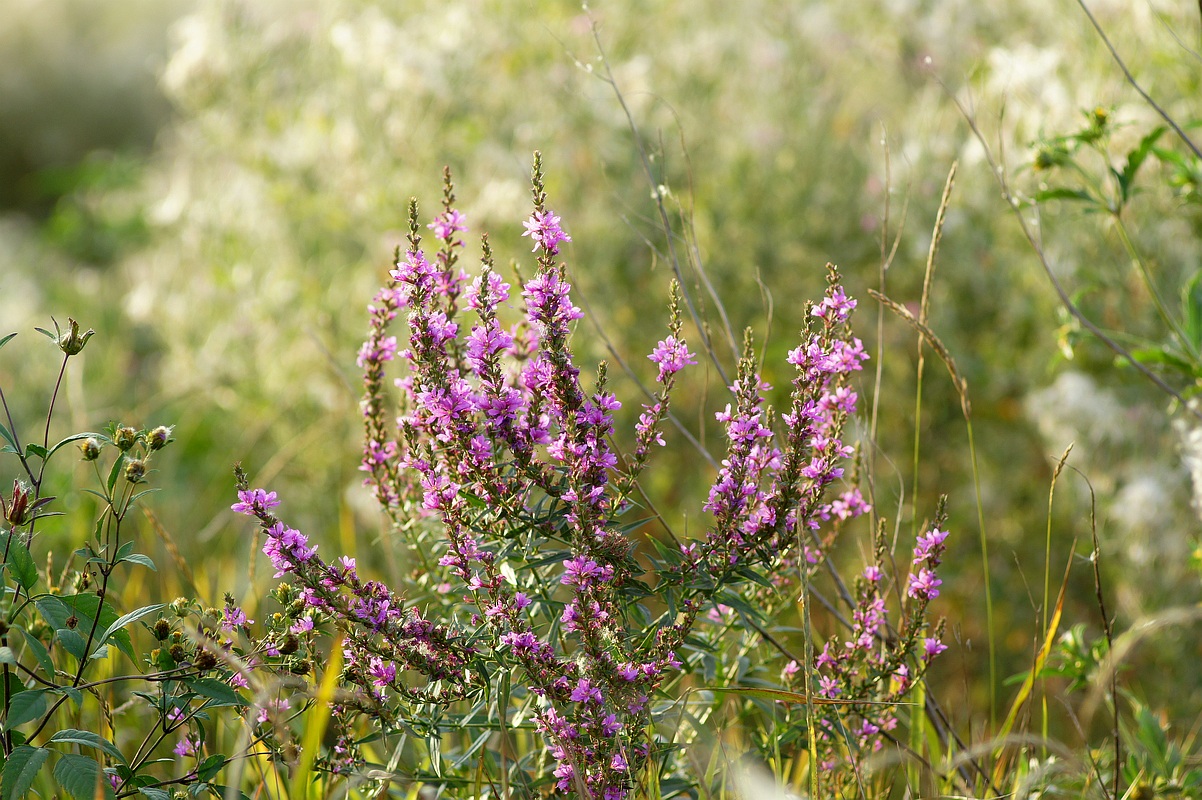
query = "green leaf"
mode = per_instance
[
  {"x": 139, "y": 495},
  {"x": 224, "y": 791},
  {"x": 139, "y": 558},
  {"x": 7, "y": 339},
  {"x": 57, "y": 610},
  {"x": 72, "y": 641},
  {"x": 1191, "y": 302},
  {"x": 154, "y": 794},
  {"x": 82, "y": 777},
  {"x": 1136, "y": 158},
  {"x": 71, "y": 692},
  {"x": 114, "y": 473},
  {"x": 7, "y": 657},
  {"x": 39, "y": 652},
  {"x": 25, "y": 707},
  {"x": 20, "y": 770},
  {"x": 19, "y": 561},
  {"x": 210, "y": 767},
  {"x": 221, "y": 694},
  {"x": 32, "y": 449},
  {"x": 1063, "y": 193},
  {"x": 47, "y": 334},
  {"x": 88, "y": 739},
  {"x": 8, "y": 437},
  {"x": 75, "y": 438},
  {"x": 132, "y": 616}
]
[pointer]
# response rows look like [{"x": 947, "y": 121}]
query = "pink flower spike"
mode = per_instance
[{"x": 543, "y": 229}]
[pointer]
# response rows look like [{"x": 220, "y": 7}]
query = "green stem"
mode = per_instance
[{"x": 1142, "y": 267}]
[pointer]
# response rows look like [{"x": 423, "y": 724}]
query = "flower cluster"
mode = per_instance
[
  {"x": 876, "y": 665},
  {"x": 500, "y": 446}
]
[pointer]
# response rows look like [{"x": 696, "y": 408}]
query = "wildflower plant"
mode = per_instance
[
  {"x": 540, "y": 612},
  {"x": 104, "y": 695}
]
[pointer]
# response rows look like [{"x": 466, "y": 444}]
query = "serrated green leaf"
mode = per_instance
[
  {"x": 20, "y": 770},
  {"x": 129, "y": 618},
  {"x": 72, "y": 642},
  {"x": 25, "y": 707},
  {"x": 19, "y": 562},
  {"x": 221, "y": 694},
  {"x": 57, "y": 610},
  {"x": 71, "y": 692},
  {"x": 82, "y": 777},
  {"x": 88, "y": 739}
]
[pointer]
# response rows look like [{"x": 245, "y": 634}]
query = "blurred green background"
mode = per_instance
[{"x": 217, "y": 187}]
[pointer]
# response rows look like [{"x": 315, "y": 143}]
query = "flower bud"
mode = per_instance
[
  {"x": 205, "y": 660},
  {"x": 162, "y": 629},
  {"x": 16, "y": 512},
  {"x": 177, "y": 652},
  {"x": 72, "y": 341},
  {"x": 125, "y": 438},
  {"x": 90, "y": 448},
  {"x": 291, "y": 645},
  {"x": 159, "y": 438},
  {"x": 135, "y": 470}
]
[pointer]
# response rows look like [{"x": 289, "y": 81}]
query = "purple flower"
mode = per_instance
[
  {"x": 930, "y": 547},
  {"x": 932, "y": 647},
  {"x": 272, "y": 708},
  {"x": 543, "y": 229},
  {"x": 187, "y": 747},
  {"x": 672, "y": 356},
  {"x": 254, "y": 501},
  {"x": 519, "y": 641},
  {"x": 233, "y": 617},
  {"x": 924, "y": 585},
  {"x": 565, "y": 773},
  {"x": 835, "y": 307},
  {"x": 581, "y": 571},
  {"x": 585, "y": 692},
  {"x": 450, "y": 222},
  {"x": 382, "y": 673},
  {"x": 302, "y": 625}
]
